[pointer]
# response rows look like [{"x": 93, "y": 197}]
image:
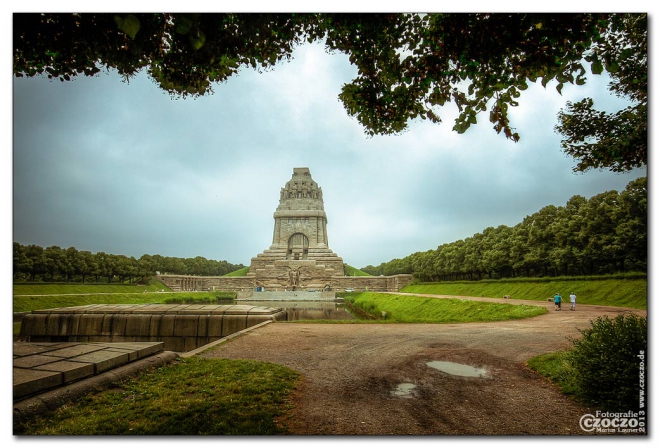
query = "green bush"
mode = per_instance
[{"x": 607, "y": 362}]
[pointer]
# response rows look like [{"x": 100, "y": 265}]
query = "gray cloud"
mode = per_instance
[{"x": 102, "y": 165}]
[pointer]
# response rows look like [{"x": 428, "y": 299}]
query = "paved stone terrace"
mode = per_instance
[{"x": 42, "y": 366}]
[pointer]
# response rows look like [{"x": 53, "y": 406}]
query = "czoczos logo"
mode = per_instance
[{"x": 614, "y": 422}]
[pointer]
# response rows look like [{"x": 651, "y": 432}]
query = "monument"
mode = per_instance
[{"x": 299, "y": 256}]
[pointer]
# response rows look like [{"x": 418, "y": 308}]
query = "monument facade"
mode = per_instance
[{"x": 299, "y": 257}]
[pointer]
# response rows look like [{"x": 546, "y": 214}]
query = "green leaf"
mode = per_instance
[
  {"x": 612, "y": 67},
  {"x": 183, "y": 25},
  {"x": 596, "y": 67},
  {"x": 197, "y": 40},
  {"x": 129, "y": 25}
]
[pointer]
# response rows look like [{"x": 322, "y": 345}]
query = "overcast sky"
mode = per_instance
[{"x": 102, "y": 165}]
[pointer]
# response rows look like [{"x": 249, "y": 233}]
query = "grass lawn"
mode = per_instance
[
  {"x": 192, "y": 396},
  {"x": 556, "y": 367},
  {"x": 394, "y": 308}
]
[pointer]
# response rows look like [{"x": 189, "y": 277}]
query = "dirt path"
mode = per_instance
[{"x": 351, "y": 371}]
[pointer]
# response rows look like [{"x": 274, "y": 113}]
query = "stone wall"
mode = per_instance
[
  {"x": 391, "y": 283},
  {"x": 180, "y": 327},
  {"x": 179, "y": 283}
]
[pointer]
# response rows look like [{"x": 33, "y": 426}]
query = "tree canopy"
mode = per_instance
[
  {"x": 409, "y": 65},
  {"x": 618, "y": 140}
]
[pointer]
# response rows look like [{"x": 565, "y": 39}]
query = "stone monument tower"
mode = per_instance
[{"x": 299, "y": 256}]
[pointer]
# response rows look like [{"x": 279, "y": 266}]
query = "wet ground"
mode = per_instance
[{"x": 375, "y": 379}]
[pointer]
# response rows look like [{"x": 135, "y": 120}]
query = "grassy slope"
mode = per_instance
[
  {"x": 238, "y": 273},
  {"x": 350, "y": 271},
  {"x": 630, "y": 293},
  {"x": 429, "y": 310}
]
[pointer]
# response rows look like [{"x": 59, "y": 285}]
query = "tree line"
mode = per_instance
[
  {"x": 602, "y": 235},
  {"x": 53, "y": 264}
]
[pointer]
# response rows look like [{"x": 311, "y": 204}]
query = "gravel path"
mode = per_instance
[{"x": 351, "y": 373}]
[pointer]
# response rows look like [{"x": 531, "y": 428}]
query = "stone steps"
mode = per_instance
[{"x": 38, "y": 367}]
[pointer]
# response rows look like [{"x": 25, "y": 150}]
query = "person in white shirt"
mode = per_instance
[{"x": 573, "y": 297}]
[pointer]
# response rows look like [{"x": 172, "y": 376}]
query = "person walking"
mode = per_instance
[
  {"x": 573, "y": 298},
  {"x": 557, "y": 302}
]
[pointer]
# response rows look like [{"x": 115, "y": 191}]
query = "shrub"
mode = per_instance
[{"x": 606, "y": 362}]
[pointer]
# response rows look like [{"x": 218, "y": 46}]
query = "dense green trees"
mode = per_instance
[
  {"x": 604, "y": 234},
  {"x": 409, "y": 65},
  {"x": 34, "y": 263}
]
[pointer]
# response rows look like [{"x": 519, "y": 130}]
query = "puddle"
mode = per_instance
[
  {"x": 405, "y": 390},
  {"x": 453, "y": 368}
]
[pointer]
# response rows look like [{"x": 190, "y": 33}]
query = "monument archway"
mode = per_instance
[{"x": 298, "y": 247}]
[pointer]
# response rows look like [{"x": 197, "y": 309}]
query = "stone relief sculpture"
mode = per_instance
[{"x": 294, "y": 279}]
